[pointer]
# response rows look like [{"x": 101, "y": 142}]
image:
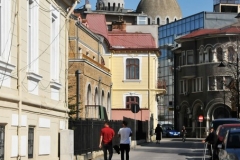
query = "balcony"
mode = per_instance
[
  {"x": 161, "y": 84},
  {"x": 96, "y": 112}
]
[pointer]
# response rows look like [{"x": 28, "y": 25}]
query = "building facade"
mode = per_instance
[
  {"x": 167, "y": 35},
  {"x": 203, "y": 88},
  {"x": 32, "y": 76},
  {"x": 89, "y": 79}
]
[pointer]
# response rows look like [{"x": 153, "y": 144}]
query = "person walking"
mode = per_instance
[
  {"x": 158, "y": 132},
  {"x": 105, "y": 143},
  {"x": 211, "y": 139},
  {"x": 124, "y": 134},
  {"x": 184, "y": 132}
]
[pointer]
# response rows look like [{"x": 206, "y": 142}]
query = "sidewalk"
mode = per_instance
[{"x": 134, "y": 152}]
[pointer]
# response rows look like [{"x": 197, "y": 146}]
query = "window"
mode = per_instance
[
  {"x": 167, "y": 20},
  {"x": 184, "y": 86},
  {"x": 33, "y": 36},
  {"x": 190, "y": 57},
  {"x": 2, "y": 141},
  {"x": 201, "y": 55},
  {"x": 113, "y": 6},
  {"x": 55, "y": 45},
  {"x": 132, "y": 69},
  {"x": 231, "y": 54},
  {"x": 197, "y": 85},
  {"x": 218, "y": 82},
  {"x": 5, "y": 29},
  {"x": 158, "y": 21},
  {"x": 149, "y": 21},
  {"x": 210, "y": 55},
  {"x": 141, "y": 20},
  {"x": 219, "y": 54},
  {"x": 30, "y": 142},
  {"x": 131, "y": 100}
]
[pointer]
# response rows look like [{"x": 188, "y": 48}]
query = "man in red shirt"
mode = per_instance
[{"x": 106, "y": 137}]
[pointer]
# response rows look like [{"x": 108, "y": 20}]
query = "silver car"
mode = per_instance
[{"x": 230, "y": 148}]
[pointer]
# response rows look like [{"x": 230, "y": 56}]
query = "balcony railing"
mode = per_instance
[
  {"x": 161, "y": 84},
  {"x": 226, "y": 1}
]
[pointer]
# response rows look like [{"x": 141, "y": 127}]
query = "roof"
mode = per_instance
[
  {"x": 97, "y": 24},
  {"x": 228, "y": 30},
  {"x": 131, "y": 40}
]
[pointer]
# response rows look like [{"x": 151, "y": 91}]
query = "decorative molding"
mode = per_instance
[
  {"x": 7, "y": 67},
  {"x": 55, "y": 85},
  {"x": 34, "y": 76}
]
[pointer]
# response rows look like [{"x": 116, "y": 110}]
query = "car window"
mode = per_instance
[{"x": 233, "y": 140}]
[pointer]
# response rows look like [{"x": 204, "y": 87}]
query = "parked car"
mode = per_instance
[
  {"x": 230, "y": 148},
  {"x": 222, "y": 130},
  {"x": 216, "y": 122},
  {"x": 172, "y": 133}
]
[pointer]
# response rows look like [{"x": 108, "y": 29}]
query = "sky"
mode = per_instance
[{"x": 188, "y": 7}]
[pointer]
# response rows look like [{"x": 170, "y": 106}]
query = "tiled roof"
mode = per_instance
[
  {"x": 131, "y": 40},
  {"x": 97, "y": 24},
  {"x": 233, "y": 29}
]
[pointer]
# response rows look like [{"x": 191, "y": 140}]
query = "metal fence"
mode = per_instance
[{"x": 87, "y": 133}]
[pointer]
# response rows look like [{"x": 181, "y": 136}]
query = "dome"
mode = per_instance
[
  {"x": 160, "y": 11},
  {"x": 110, "y": 5}
]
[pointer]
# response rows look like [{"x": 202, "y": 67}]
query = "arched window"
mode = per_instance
[
  {"x": 88, "y": 94},
  {"x": 149, "y": 21},
  {"x": 210, "y": 54},
  {"x": 167, "y": 20},
  {"x": 108, "y": 102},
  {"x": 102, "y": 99},
  {"x": 201, "y": 55},
  {"x": 219, "y": 54},
  {"x": 96, "y": 97},
  {"x": 132, "y": 68},
  {"x": 158, "y": 21},
  {"x": 109, "y": 6},
  {"x": 113, "y": 6},
  {"x": 231, "y": 54}
]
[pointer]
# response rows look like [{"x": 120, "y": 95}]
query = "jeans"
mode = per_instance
[
  {"x": 123, "y": 148},
  {"x": 107, "y": 147}
]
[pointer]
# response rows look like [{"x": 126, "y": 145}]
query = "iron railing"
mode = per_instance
[{"x": 87, "y": 133}]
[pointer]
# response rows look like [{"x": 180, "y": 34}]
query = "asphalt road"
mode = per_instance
[{"x": 168, "y": 149}]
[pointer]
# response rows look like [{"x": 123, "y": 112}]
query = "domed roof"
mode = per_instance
[
  {"x": 160, "y": 9},
  {"x": 110, "y": 5}
]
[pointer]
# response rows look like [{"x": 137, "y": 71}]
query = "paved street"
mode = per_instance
[{"x": 172, "y": 149}]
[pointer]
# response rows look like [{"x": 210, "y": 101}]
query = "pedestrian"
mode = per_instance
[
  {"x": 158, "y": 132},
  {"x": 106, "y": 136},
  {"x": 124, "y": 134},
  {"x": 184, "y": 132},
  {"x": 211, "y": 139}
]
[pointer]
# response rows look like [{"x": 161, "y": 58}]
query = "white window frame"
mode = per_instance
[
  {"x": 5, "y": 30},
  {"x": 201, "y": 56},
  {"x": 183, "y": 86},
  {"x": 33, "y": 35},
  {"x": 55, "y": 28},
  {"x": 140, "y": 69},
  {"x": 142, "y": 22}
]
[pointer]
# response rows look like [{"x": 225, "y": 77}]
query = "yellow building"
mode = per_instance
[{"x": 133, "y": 60}]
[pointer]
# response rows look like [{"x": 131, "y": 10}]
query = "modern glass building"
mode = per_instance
[{"x": 167, "y": 33}]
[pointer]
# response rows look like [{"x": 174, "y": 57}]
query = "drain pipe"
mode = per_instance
[
  {"x": 77, "y": 74},
  {"x": 19, "y": 80}
]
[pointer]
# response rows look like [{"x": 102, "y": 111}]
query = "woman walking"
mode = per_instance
[{"x": 158, "y": 131}]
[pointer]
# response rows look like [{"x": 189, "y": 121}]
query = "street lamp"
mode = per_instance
[{"x": 229, "y": 64}]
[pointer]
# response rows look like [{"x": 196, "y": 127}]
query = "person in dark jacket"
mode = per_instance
[
  {"x": 212, "y": 139},
  {"x": 158, "y": 131}
]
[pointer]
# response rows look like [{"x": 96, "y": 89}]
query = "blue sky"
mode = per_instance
[{"x": 188, "y": 7}]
